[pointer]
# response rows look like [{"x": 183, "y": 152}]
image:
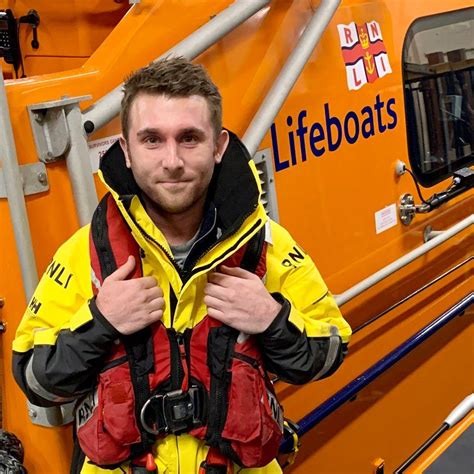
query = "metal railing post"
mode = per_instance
[
  {"x": 288, "y": 75},
  {"x": 15, "y": 196},
  {"x": 106, "y": 108},
  {"x": 79, "y": 166}
]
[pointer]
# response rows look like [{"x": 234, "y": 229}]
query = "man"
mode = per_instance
[{"x": 165, "y": 344}]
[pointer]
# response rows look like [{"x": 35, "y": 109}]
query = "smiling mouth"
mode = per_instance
[{"x": 173, "y": 184}]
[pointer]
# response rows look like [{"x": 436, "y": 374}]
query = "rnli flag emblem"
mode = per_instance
[{"x": 364, "y": 53}]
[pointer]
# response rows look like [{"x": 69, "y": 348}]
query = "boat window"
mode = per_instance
[{"x": 438, "y": 73}]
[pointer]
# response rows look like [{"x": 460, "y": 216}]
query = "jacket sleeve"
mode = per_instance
[
  {"x": 62, "y": 337},
  {"x": 308, "y": 339}
]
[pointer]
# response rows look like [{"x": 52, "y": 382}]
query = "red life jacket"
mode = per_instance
[{"x": 157, "y": 381}]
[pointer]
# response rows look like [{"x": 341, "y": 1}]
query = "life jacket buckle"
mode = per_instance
[{"x": 174, "y": 412}]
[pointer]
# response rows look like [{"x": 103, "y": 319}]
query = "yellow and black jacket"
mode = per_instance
[{"x": 63, "y": 340}]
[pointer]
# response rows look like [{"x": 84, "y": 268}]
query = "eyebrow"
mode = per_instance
[
  {"x": 184, "y": 131},
  {"x": 193, "y": 130},
  {"x": 147, "y": 131}
]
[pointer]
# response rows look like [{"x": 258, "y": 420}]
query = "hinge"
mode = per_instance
[
  {"x": 50, "y": 129},
  {"x": 34, "y": 179}
]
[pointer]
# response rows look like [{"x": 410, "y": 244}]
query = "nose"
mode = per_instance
[{"x": 172, "y": 159}]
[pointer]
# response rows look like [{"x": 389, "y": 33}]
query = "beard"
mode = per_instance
[{"x": 174, "y": 200}]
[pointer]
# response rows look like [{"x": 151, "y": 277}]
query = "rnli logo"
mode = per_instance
[
  {"x": 86, "y": 409},
  {"x": 276, "y": 410},
  {"x": 364, "y": 53}
]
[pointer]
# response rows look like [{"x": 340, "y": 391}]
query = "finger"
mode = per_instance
[
  {"x": 216, "y": 314},
  {"x": 220, "y": 279},
  {"x": 147, "y": 282},
  {"x": 237, "y": 272},
  {"x": 152, "y": 293},
  {"x": 220, "y": 292},
  {"x": 213, "y": 303},
  {"x": 124, "y": 270},
  {"x": 156, "y": 315},
  {"x": 156, "y": 304}
]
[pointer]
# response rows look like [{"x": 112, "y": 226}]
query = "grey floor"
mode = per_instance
[{"x": 458, "y": 458}]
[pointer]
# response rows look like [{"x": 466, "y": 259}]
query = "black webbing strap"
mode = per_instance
[{"x": 253, "y": 252}]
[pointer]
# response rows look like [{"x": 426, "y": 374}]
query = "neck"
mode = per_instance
[{"x": 177, "y": 228}]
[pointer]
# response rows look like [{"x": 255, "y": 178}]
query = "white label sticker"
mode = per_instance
[
  {"x": 385, "y": 218},
  {"x": 97, "y": 149}
]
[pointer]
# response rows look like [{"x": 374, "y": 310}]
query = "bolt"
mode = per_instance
[
  {"x": 32, "y": 413},
  {"x": 43, "y": 178},
  {"x": 38, "y": 117},
  {"x": 400, "y": 167}
]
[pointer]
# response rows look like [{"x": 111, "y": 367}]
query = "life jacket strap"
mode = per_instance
[
  {"x": 174, "y": 412},
  {"x": 216, "y": 463}
]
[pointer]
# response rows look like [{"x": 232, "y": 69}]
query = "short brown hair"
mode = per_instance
[{"x": 172, "y": 77}]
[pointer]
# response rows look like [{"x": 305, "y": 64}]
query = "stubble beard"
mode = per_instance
[{"x": 167, "y": 204}]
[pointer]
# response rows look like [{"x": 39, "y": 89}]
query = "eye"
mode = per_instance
[
  {"x": 189, "y": 139},
  {"x": 151, "y": 140}
]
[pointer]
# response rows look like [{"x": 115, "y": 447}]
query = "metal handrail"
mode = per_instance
[
  {"x": 352, "y": 388},
  {"x": 375, "y": 278},
  {"x": 411, "y": 295},
  {"x": 289, "y": 74},
  {"x": 108, "y": 107},
  {"x": 16, "y": 199}
]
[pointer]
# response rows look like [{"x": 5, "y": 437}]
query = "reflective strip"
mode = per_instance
[
  {"x": 51, "y": 416},
  {"x": 37, "y": 388},
  {"x": 268, "y": 233},
  {"x": 94, "y": 279},
  {"x": 334, "y": 343}
]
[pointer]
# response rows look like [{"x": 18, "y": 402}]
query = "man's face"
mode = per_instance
[{"x": 172, "y": 151}]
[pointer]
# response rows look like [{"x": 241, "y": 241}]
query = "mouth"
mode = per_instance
[{"x": 174, "y": 184}]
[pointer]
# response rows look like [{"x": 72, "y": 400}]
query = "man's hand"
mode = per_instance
[
  {"x": 130, "y": 305},
  {"x": 239, "y": 299}
]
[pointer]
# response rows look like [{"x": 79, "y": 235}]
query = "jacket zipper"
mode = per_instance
[
  {"x": 247, "y": 359},
  {"x": 173, "y": 303},
  {"x": 203, "y": 236},
  {"x": 187, "y": 276},
  {"x": 183, "y": 361},
  {"x": 151, "y": 239}
]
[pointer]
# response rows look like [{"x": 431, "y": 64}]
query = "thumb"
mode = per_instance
[{"x": 124, "y": 270}]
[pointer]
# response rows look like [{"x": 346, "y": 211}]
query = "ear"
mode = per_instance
[
  {"x": 221, "y": 145},
  {"x": 124, "y": 146}
]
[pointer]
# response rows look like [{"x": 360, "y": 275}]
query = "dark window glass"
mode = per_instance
[{"x": 438, "y": 70}]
